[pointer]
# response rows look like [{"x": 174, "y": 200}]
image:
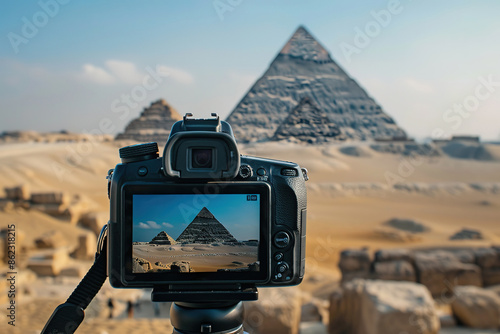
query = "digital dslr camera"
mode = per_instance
[{"x": 202, "y": 215}]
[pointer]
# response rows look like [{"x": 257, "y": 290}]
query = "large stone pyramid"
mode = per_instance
[
  {"x": 307, "y": 123},
  {"x": 205, "y": 229},
  {"x": 163, "y": 238},
  {"x": 153, "y": 124},
  {"x": 303, "y": 68}
]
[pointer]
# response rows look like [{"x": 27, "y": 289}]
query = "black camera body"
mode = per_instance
[{"x": 202, "y": 215}]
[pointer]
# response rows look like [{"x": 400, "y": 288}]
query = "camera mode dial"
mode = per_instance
[
  {"x": 282, "y": 239},
  {"x": 245, "y": 171},
  {"x": 139, "y": 152}
]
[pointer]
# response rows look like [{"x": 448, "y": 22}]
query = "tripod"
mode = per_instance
[
  {"x": 207, "y": 310},
  {"x": 221, "y": 318}
]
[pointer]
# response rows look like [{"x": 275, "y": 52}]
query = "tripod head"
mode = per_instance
[
  {"x": 220, "y": 317},
  {"x": 206, "y": 309}
]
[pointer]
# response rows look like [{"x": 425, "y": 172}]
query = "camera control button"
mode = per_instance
[
  {"x": 278, "y": 256},
  {"x": 245, "y": 171},
  {"x": 142, "y": 171},
  {"x": 282, "y": 239},
  {"x": 282, "y": 267},
  {"x": 261, "y": 172}
]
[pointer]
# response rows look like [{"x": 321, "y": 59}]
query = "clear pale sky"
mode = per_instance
[{"x": 72, "y": 70}]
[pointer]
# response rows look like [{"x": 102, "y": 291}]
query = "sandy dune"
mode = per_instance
[{"x": 353, "y": 190}]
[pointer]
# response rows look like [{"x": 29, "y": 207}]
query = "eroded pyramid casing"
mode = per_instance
[
  {"x": 163, "y": 238},
  {"x": 153, "y": 124},
  {"x": 303, "y": 68},
  {"x": 205, "y": 229},
  {"x": 307, "y": 123}
]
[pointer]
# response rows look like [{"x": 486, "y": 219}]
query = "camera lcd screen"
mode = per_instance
[{"x": 200, "y": 236}]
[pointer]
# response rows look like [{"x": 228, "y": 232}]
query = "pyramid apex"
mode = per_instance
[
  {"x": 205, "y": 213},
  {"x": 161, "y": 108},
  {"x": 161, "y": 102},
  {"x": 308, "y": 100},
  {"x": 153, "y": 124},
  {"x": 300, "y": 28},
  {"x": 304, "y": 46}
]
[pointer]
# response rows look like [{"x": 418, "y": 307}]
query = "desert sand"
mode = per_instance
[
  {"x": 353, "y": 191},
  {"x": 201, "y": 257}
]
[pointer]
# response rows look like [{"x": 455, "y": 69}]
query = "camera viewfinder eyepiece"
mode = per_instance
[{"x": 201, "y": 149}]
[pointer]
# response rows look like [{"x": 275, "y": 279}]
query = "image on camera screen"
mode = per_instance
[{"x": 195, "y": 233}]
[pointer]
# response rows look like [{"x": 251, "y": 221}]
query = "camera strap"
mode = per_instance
[{"x": 68, "y": 316}]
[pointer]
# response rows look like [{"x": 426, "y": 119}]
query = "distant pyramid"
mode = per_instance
[
  {"x": 205, "y": 229},
  {"x": 163, "y": 239},
  {"x": 307, "y": 123},
  {"x": 153, "y": 124},
  {"x": 304, "y": 68}
]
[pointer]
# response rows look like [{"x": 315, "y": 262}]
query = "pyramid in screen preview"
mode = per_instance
[
  {"x": 163, "y": 239},
  {"x": 205, "y": 229},
  {"x": 304, "y": 68}
]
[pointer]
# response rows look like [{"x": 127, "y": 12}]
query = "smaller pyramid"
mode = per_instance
[
  {"x": 163, "y": 239},
  {"x": 153, "y": 124},
  {"x": 205, "y": 229},
  {"x": 308, "y": 123}
]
